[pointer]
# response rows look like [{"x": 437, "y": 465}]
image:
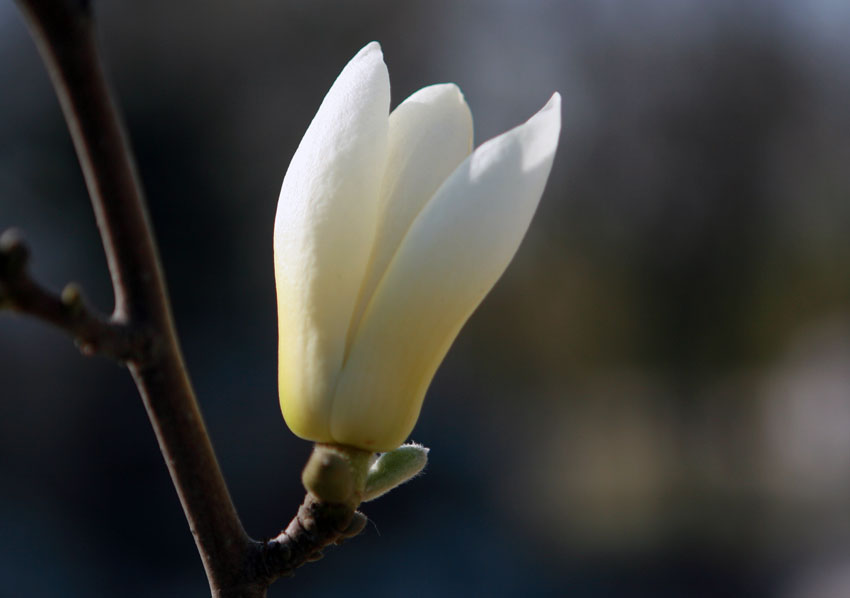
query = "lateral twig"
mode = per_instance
[{"x": 92, "y": 332}]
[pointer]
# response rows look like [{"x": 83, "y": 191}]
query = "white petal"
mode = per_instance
[
  {"x": 325, "y": 225},
  {"x": 430, "y": 134},
  {"x": 454, "y": 252}
]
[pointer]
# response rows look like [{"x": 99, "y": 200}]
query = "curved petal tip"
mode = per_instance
[
  {"x": 369, "y": 49},
  {"x": 438, "y": 90},
  {"x": 368, "y": 67},
  {"x": 542, "y": 132}
]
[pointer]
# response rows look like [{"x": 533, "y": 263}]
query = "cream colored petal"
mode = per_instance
[
  {"x": 454, "y": 252},
  {"x": 430, "y": 134},
  {"x": 325, "y": 225}
]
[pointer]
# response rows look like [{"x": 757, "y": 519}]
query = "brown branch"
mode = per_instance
[
  {"x": 64, "y": 33},
  {"x": 140, "y": 331}
]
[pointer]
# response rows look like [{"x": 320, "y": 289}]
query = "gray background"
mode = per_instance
[{"x": 655, "y": 399}]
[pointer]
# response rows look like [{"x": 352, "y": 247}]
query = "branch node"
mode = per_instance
[
  {"x": 357, "y": 525},
  {"x": 72, "y": 298},
  {"x": 14, "y": 254}
]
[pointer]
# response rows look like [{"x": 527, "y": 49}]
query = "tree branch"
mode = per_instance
[
  {"x": 140, "y": 332},
  {"x": 64, "y": 33}
]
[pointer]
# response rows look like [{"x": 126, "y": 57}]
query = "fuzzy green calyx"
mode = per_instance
[{"x": 394, "y": 468}]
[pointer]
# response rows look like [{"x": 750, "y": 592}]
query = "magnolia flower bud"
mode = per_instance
[{"x": 388, "y": 235}]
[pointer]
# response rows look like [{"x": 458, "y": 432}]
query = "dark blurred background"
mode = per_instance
[{"x": 655, "y": 399}]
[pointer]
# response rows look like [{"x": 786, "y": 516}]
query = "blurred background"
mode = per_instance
[{"x": 655, "y": 399}]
